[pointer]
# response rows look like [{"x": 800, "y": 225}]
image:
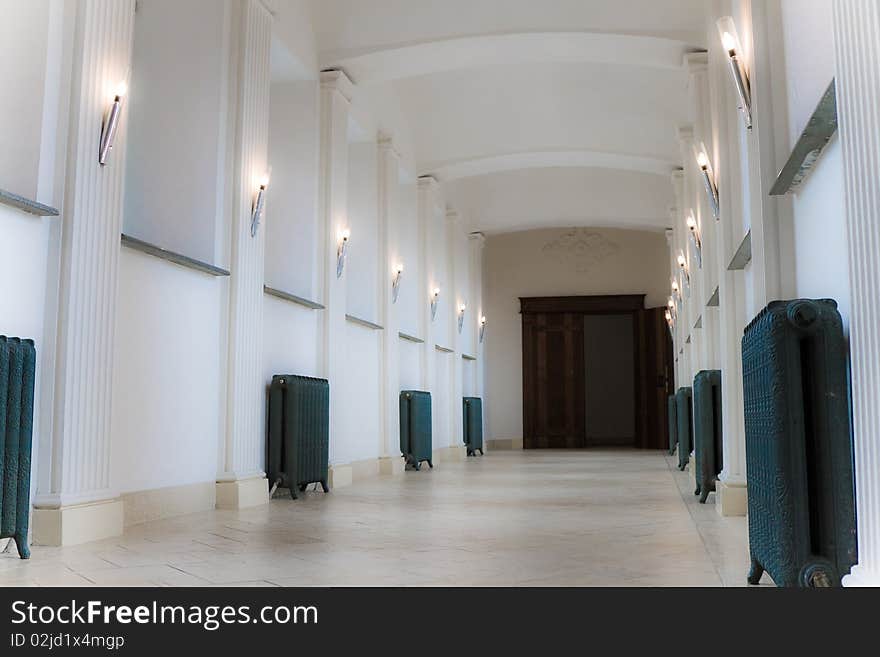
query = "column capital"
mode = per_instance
[
  {"x": 385, "y": 143},
  {"x": 685, "y": 135},
  {"x": 452, "y": 216},
  {"x": 427, "y": 183},
  {"x": 477, "y": 240},
  {"x": 337, "y": 80},
  {"x": 669, "y": 234},
  {"x": 696, "y": 62}
]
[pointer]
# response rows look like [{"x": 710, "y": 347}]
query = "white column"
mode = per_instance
[
  {"x": 476, "y": 244},
  {"x": 389, "y": 257},
  {"x": 856, "y": 25},
  {"x": 453, "y": 226},
  {"x": 428, "y": 191},
  {"x": 336, "y": 94},
  {"x": 75, "y": 503},
  {"x": 242, "y": 481}
]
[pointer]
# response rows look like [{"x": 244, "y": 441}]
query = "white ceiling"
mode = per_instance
[{"x": 531, "y": 113}]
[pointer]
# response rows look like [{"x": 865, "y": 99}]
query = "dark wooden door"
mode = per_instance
[
  {"x": 553, "y": 364},
  {"x": 658, "y": 379}
]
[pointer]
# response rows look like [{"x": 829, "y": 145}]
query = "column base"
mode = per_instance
[
  {"x": 505, "y": 443},
  {"x": 862, "y": 577},
  {"x": 730, "y": 500},
  {"x": 391, "y": 465},
  {"x": 242, "y": 493},
  {"x": 81, "y": 523},
  {"x": 340, "y": 476},
  {"x": 456, "y": 453}
]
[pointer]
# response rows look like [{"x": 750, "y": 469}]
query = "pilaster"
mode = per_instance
[
  {"x": 461, "y": 296},
  {"x": 428, "y": 199}
]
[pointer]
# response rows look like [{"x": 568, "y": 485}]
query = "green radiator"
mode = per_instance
[
  {"x": 415, "y": 427},
  {"x": 299, "y": 429},
  {"x": 672, "y": 421},
  {"x": 472, "y": 415},
  {"x": 684, "y": 414},
  {"x": 17, "y": 366},
  {"x": 799, "y": 458},
  {"x": 708, "y": 448}
]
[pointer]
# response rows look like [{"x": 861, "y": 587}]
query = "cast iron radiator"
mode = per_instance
[
  {"x": 17, "y": 364},
  {"x": 802, "y": 526},
  {"x": 299, "y": 429},
  {"x": 673, "y": 424},
  {"x": 472, "y": 413},
  {"x": 707, "y": 431},
  {"x": 415, "y": 427},
  {"x": 684, "y": 414}
]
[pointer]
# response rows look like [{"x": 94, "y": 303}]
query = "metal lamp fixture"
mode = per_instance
[
  {"x": 435, "y": 298},
  {"x": 461, "y": 310},
  {"x": 395, "y": 283},
  {"x": 111, "y": 123},
  {"x": 696, "y": 240},
  {"x": 342, "y": 251},
  {"x": 676, "y": 292},
  {"x": 671, "y": 308},
  {"x": 482, "y": 328},
  {"x": 685, "y": 274},
  {"x": 730, "y": 41},
  {"x": 709, "y": 181},
  {"x": 259, "y": 202}
]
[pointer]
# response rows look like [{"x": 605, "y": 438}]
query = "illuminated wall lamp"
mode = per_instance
[
  {"x": 395, "y": 283},
  {"x": 685, "y": 274},
  {"x": 435, "y": 299},
  {"x": 676, "y": 291},
  {"x": 342, "y": 251},
  {"x": 482, "y": 328},
  {"x": 671, "y": 309},
  {"x": 709, "y": 182},
  {"x": 111, "y": 123},
  {"x": 461, "y": 310},
  {"x": 730, "y": 41},
  {"x": 696, "y": 240},
  {"x": 259, "y": 202}
]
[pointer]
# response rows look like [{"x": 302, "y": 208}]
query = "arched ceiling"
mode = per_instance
[{"x": 530, "y": 114}]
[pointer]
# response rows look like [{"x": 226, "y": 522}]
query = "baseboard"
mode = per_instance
[
  {"x": 242, "y": 493},
  {"x": 81, "y": 523},
  {"x": 731, "y": 501},
  {"x": 340, "y": 476},
  {"x": 391, "y": 465},
  {"x": 366, "y": 469},
  {"x": 455, "y": 453},
  {"x": 505, "y": 443},
  {"x": 158, "y": 503}
]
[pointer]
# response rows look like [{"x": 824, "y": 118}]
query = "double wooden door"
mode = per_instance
[{"x": 574, "y": 394}]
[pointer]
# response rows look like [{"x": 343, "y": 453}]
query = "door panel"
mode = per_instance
[{"x": 610, "y": 360}]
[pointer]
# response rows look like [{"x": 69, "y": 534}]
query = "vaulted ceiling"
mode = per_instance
[{"x": 530, "y": 113}]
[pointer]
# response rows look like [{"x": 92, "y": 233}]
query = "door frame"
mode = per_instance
[{"x": 618, "y": 304}]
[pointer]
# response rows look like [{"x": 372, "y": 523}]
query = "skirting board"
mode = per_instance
[
  {"x": 242, "y": 493},
  {"x": 505, "y": 443},
  {"x": 81, "y": 523},
  {"x": 730, "y": 501},
  {"x": 391, "y": 465},
  {"x": 158, "y": 503},
  {"x": 456, "y": 453},
  {"x": 340, "y": 475}
]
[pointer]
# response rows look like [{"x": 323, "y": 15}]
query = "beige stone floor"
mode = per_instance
[{"x": 589, "y": 518}]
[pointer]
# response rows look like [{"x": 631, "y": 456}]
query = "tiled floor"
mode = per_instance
[{"x": 591, "y": 518}]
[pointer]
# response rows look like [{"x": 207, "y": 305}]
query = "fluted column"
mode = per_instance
[
  {"x": 459, "y": 295},
  {"x": 389, "y": 257},
  {"x": 241, "y": 480},
  {"x": 476, "y": 244},
  {"x": 428, "y": 192},
  {"x": 856, "y": 24},
  {"x": 336, "y": 94},
  {"x": 75, "y": 502}
]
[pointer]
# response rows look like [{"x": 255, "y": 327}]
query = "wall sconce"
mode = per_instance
[
  {"x": 111, "y": 123},
  {"x": 730, "y": 41},
  {"x": 696, "y": 240},
  {"x": 709, "y": 181},
  {"x": 461, "y": 310},
  {"x": 395, "y": 283},
  {"x": 435, "y": 298},
  {"x": 342, "y": 251},
  {"x": 685, "y": 274},
  {"x": 671, "y": 309},
  {"x": 482, "y": 328},
  {"x": 259, "y": 201},
  {"x": 676, "y": 291}
]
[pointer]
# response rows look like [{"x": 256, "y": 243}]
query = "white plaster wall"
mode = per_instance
[
  {"x": 362, "y": 267},
  {"x": 438, "y": 276},
  {"x": 517, "y": 265},
  {"x": 24, "y": 30},
  {"x": 441, "y": 399},
  {"x": 410, "y": 365},
  {"x": 177, "y": 125},
  {"x": 358, "y": 437},
  {"x": 819, "y": 234},
  {"x": 290, "y": 339},
  {"x": 407, "y": 303},
  {"x": 167, "y": 376}
]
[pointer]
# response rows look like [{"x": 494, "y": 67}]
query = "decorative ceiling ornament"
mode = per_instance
[{"x": 581, "y": 248}]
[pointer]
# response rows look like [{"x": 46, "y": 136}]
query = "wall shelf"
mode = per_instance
[
  {"x": 445, "y": 350},
  {"x": 26, "y": 205},
  {"x": 743, "y": 255},
  {"x": 364, "y": 322},
  {"x": 468, "y": 357},
  {"x": 410, "y": 338},
  {"x": 808, "y": 149},
  {"x": 171, "y": 256},
  {"x": 292, "y": 298}
]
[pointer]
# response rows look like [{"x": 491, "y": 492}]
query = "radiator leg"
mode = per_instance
[
  {"x": 23, "y": 550},
  {"x": 755, "y": 572},
  {"x": 430, "y": 465},
  {"x": 697, "y": 492},
  {"x": 417, "y": 466},
  {"x": 325, "y": 486},
  {"x": 704, "y": 496},
  {"x": 292, "y": 489}
]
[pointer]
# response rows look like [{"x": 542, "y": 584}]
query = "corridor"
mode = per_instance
[{"x": 512, "y": 518}]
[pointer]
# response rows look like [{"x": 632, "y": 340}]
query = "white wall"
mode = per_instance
[
  {"x": 359, "y": 436},
  {"x": 362, "y": 264},
  {"x": 167, "y": 378},
  {"x": 556, "y": 262}
]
